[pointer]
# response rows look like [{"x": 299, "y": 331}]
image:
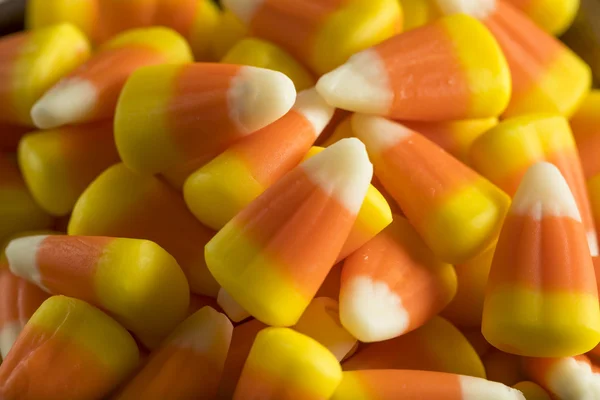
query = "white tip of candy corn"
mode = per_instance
[
  {"x": 243, "y": 9},
  {"x": 592, "y": 239},
  {"x": 314, "y": 108},
  {"x": 479, "y": 9},
  {"x": 204, "y": 330},
  {"x": 342, "y": 170},
  {"x": 8, "y": 335},
  {"x": 574, "y": 379},
  {"x": 371, "y": 312},
  {"x": 360, "y": 85},
  {"x": 378, "y": 133},
  {"x": 477, "y": 389},
  {"x": 544, "y": 191},
  {"x": 232, "y": 308},
  {"x": 68, "y": 102},
  {"x": 22, "y": 258},
  {"x": 258, "y": 97}
]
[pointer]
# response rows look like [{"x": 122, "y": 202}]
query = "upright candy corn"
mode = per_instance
[
  {"x": 286, "y": 365},
  {"x": 223, "y": 187},
  {"x": 321, "y": 321},
  {"x": 263, "y": 54},
  {"x": 18, "y": 301},
  {"x": 436, "y": 346},
  {"x": 136, "y": 281},
  {"x": 393, "y": 284},
  {"x": 31, "y": 62},
  {"x": 568, "y": 378},
  {"x": 188, "y": 364},
  {"x": 59, "y": 164},
  {"x": 457, "y": 212},
  {"x": 432, "y": 73},
  {"x": 80, "y": 13},
  {"x": 181, "y": 116},
  {"x": 196, "y": 20},
  {"x": 90, "y": 93},
  {"x": 321, "y": 34},
  {"x": 546, "y": 75},
  {"x": 68, "y": 350},
  {"x": 532, "y": 391},
  {"x": 405, "y": 384},
  {"x": 146, "y": 208},
  {"x": 18, "y": 210},
  {"x": 273, "y": 256},
  {"x": 541, "y": 298},
  {"x": 504, "y": 153},
  {"x": 552, "y": 16}
]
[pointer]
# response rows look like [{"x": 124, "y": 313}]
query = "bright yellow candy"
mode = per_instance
[
  {"x": 418, "y": 12},
  {"x": 263, "y": 54},
  {"x": 553, "y": 16},
  {"x": 81, "y": 13},
  {"x": 284, "y": 365}
]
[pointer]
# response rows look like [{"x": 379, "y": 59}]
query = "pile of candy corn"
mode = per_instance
[{"x": 298, "y": 200}]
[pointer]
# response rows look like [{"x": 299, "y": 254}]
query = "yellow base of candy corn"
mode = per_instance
[{"x": 18, "y": 212}]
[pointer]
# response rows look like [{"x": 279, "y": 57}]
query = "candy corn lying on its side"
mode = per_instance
[{"x": 552, "y": 16}]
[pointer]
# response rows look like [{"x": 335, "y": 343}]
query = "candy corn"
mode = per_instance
[
  {"x": 321, "y": 34},
  {"x": 57, "y": 166},
  {"x": 18, "y": 301},
  {"x": 568, "y": 378},
  {"x": 418, "y": 13},
  {"x": 18, "y": 211},
  {"x": 90, "y": 93},
  {"x": 196, "y": 20},
  {"x": 228, "y": 32},
  {"x": 436, "y": 346},
  {"x": 182, "y": 116},
  {"x": 272, "y": 263},
  {"x": 31, "y": 62},
  {"x": 136, "y": 281},
  {"x": 285, "y": 365},
  {"x": 532, "y": 391},
  {"x": 81, "y": 13},
  {"x": 188, "y": 364},
  {"x": 145, "y": 208},
  {"x": 432, "y": 73},
  {"x": 68, "y": 350},
  {"x": 457, "y": 212},
  {"x": 263, "y": 54},
  {"x": 405, "y": 384},
  {"x": 502, "y": 367},
  {"x": 541, "y": 298},
  {"x": 393, "y": 285},
  {"x": 223, "y": 187},
  {"x": 504, "y": 153},
  {"x": 115, "y": 16},
  {"x": 552, "y": 16},
  {"x": 546, "y": 75},
  {"x": 321, "y": 321},
  {"x": 232, "y": 308}
]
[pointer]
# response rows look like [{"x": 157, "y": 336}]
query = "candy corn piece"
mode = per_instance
[
  {"x": 585, "y": 124},
  {"x": 10, "y": 135},
  {"x": 466, "y": 308},
  {"x": 232, "y": 308},
  {"x": 436, "y": 346},
  {"x": 321, "y": 34},
  {"x": 18, "y": 210},
  {"x": 552, "y": 16},
  {"x": 395, "y": 79},
  {"x": 263, "y": 54},
  {"x": 457, "y": 212},
  {"x": 504, "y": 153},
  {"x": 90, "y": 93},
  {"x": 67, "y": 350},
  {"x": 284, "y": 365},
  {"x": 273, "y": 256},
  {"x": 115, "y": 16},
  {"x": 228, "y": 32},
  {"x": 4, "y": 244},
  {"x": 532, "y": 391},
  {"x": 196, "y": 20},
  {"x": 567, "y": 378},
  {"x": 418, "y": 13},
  {"x": 241, "y": 343},
  {"x": 31, "y": 62},
  {"x": 502, "y": 367},
  {"x": 171, "y": 116},
  {"x": 404, "y": 384},
  {"x": 18, "y": 301},
  {"x": 393, "y": 285},
  {"x": 321, "y": 321},
  {"x": 546, "y": 75},
  {"x": 134, "y": 280},
  {"x": 223, "y": 187},
  {"x": 541, "y": 298},
  {"x": 80, "y": 13},
  {"x": 57, "y": 166},
  {"x": 146, "y": 208},
  {"x": 188, "y": 364}
]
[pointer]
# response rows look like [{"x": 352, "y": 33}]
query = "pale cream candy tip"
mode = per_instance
[
  {"x": 206, "y": 330},
  {"x": 8, "y": 336},
  {"x": 478, "y": 389},
  {"x": 479, "y": 9},
  {"x": 571, "y": 379},
  {"x": 231, "y": 307},
  {"x": 243, "y": 9},
  {"x": 378, "y": 133},
  {"x": 22, "y": 258},
  {"x": 314, "y": 108}
]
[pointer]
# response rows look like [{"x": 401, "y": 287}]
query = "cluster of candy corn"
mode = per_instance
[{"x": 298, "y": 200}]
